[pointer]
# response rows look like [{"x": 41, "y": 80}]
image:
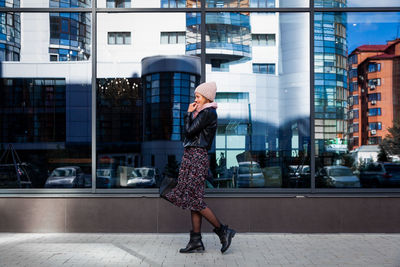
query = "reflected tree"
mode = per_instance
[{"x": 391, "y": 143}]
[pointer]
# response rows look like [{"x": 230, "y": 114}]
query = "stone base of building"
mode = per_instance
[{"x": 154, "y": 215}]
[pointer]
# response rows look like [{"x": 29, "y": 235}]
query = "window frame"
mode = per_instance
[
  {"x": 257, "y": 192},
  {"x": 114, "y": 36}
]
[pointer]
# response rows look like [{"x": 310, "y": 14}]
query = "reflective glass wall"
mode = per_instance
[
  {"x": 356, "y": 99},
  {"x": 146, "y": 85},
  {"x": 45, "y": 104},
  {"x": 305, "y": 104}
]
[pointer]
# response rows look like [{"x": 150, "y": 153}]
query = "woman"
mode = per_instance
[{"x": 200, "y": 127}]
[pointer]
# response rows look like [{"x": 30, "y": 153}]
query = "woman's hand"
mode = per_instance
[{"x": 192, "y": 107}]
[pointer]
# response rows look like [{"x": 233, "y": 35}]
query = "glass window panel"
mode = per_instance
[
  {"x": 164, "y": 38},
  {"x": 369, "y": 75},
  {"x": 45, "y": 108},
  {"x": 256, "y": 3},
  {"x": 135, "y": 125},
  {"x": 111, "y": 38},
  {"x": 149, "y": 4},
  {"x": 356, "y": 3},
  {"x": 127, "y": 38},
  {"x": 253, "y": 118},
  {"x": 52, "y": 3},
  {"x": 119, "y": 38}
]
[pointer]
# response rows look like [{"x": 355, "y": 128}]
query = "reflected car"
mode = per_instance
[
  {"x": 249, "y": 174},
  {"x": 336, "y": 176},
  {"x": 9, "y": 174},
  {"x": 106, "y": 178},
  {"x": 66, "y": 177},
  {"x": 380, "y": 174},
  {"x": 143, "y": 177},
  {"x": 299, "y": 176}
]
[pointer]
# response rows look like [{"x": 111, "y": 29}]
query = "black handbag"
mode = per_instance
[{"x": 167, "y": 184}]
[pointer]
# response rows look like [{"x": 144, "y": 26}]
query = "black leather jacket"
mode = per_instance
[{"x": 200, "y": 132}]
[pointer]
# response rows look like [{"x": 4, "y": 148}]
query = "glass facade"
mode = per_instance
[
  {"x": 70, "y": 36},
  {"x": 10, "y": 34},
  {"x": 45, "y": 110},
  {"x": 113, "y": 121}
]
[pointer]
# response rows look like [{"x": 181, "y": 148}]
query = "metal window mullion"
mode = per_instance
[
  {"x": 203, "y": 42},
  {"x": 312, "y": 99},
  {"x": 94, "y": 85}
]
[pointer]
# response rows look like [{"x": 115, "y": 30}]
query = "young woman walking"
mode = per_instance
[{"x": 199, "y": 132}]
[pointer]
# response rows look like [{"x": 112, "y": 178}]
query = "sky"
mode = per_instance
[
  {"x": 372, "y": 28},
  {"x": 373, "y": 3}
]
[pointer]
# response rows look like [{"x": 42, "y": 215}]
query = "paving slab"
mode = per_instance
[{"x": 248, "y": 249}]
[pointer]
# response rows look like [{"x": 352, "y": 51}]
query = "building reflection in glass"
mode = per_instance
[
  {"x": 39, "y": 139},
  {"x": 10, "y": 33},
  {"x": 140, "y": 121},
  {"x": 331, "y": 86},
  {"x": 70, "y": 33}
]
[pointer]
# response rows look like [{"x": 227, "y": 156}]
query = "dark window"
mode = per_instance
[
  {"x": 372, "y": 83},
  {"x": 263, "y": 39},
  {"x": 264, "y": 68},
  {"x": 374, "y": 67},
  {"x": 374, "y": 96},
  {"x": 353, "y": 86},
  {"x": 353, "y": 59},
  {"x": 353, "y": 73},
  {"x": 53, "y": 57},
  {"x": 172, "y": 37},
  {"x": 119, "y": 38},
  {"x": 118, "y": 3},
  {"x": 232, "y": 97},
  {"x": 374, "y": 112},
  {"x": 262, "y": 3},
  {"x": 355, "y": 127},
  {"x": 355, "y": 99},
  {"x": 353, "y": 114},
  {"x": 177, "y": 3},
  {"x": 376, "y": 140},
  {"x": 219, "y": 65},
  {"x": 375, "y": 126},
  {"x": 33, "y": 110}
]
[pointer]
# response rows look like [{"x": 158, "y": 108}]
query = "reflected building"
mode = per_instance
[
  {"x": 374, "y": 87},
  {"x": 48, "y": 110},
  {"x": 168, "y": 85},
  {"x": 263, "y": 110},
  {"x": 330, "y": 55},
  {"x": 70, "y": 32},
  {"x": 10, "y": 32},
  {"x": 262, "y": 79}
]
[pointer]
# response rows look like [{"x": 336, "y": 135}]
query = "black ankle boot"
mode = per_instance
[
  {"x": 195, "y": 244},
  {"x": 225, "y": 236}
]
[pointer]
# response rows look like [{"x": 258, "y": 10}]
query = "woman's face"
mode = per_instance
[{"x": 200, "y": 99}]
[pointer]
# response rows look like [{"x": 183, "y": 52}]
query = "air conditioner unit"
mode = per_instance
[
  {"x": 373, "y": 102},
  {"x": 372, "y": 87},
  {"x": 373, "y": 132}
]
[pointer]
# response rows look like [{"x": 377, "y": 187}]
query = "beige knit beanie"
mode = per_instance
[{"x": 208, "y": 90}]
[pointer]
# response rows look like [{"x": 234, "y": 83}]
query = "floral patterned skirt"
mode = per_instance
[{"x": 189, "y": 192}]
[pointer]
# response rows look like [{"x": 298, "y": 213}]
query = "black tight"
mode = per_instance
[{"x": 206, "y": 213}]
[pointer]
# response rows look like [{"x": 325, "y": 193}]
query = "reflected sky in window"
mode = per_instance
[
  {"x": 373, "y": 3},
  {"x": 362, "y": 28}
]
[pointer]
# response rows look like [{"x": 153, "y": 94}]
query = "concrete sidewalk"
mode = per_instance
[{"x": 162, "y": 250}]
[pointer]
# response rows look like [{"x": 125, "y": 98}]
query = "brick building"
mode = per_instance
[{"x": 374, "y": 92}]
